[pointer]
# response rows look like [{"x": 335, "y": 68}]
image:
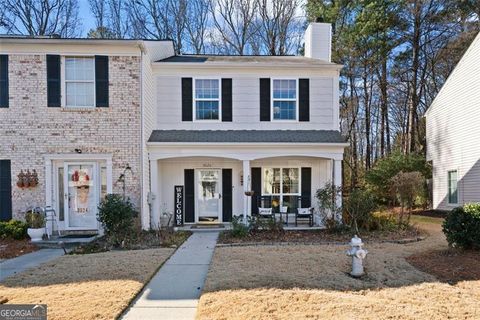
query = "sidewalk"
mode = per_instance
[
  {"x": 174, "y": 291},
  {"x": 29, "y": 260}
]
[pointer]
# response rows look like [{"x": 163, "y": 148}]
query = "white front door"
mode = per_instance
[
  {"x": 81, "y": 195},
  {"x": 209, "y": 202}
]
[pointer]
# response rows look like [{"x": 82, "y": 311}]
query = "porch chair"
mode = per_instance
[
  {"x": 304, "y": 213},
  {"x": 266, "y": 213}
]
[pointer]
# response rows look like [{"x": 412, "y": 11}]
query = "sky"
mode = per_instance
[{"x": 88, "y": 22}]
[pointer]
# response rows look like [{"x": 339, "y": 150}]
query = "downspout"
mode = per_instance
[{"x": 142, "y": 134}]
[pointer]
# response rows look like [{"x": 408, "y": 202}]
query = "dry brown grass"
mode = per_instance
[
  {"x": 93, "y": 286},
  {"x": 298, "y": 282}
]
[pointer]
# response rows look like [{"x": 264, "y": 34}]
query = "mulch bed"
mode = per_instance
[
  {"x": 431, "y": 213},
  {"x": 320, "y": 236},
  {"x": 142, "y": 240},
  {"x": 452, "y": 265},
  {"x": 10, "y": 248}
]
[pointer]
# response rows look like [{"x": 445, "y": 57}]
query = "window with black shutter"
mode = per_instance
[
  {"x": 3, "y": 81},
  {"x": 53, "y": 81},
  {"x": 187, "y": 99},
  {"x": 227, "y": 100},
  {"x": 101, "y": 81}
]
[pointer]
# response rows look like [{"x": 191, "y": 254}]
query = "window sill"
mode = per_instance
[{"x": 82, "y": 110}]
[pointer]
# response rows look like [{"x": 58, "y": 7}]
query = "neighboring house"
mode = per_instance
[
  {"x": 453, "y": 134},
  {"x": 217, "y": 126},
  {"x": 71, "y": 111}
]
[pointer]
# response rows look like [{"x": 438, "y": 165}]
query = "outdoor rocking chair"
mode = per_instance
[{"x": 304, "y": 213}]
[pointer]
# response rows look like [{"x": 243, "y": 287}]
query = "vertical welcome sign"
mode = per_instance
[{"x": 178, "y": 205}]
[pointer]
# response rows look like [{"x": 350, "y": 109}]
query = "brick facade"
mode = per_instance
[{"x": 29, "y": 130}]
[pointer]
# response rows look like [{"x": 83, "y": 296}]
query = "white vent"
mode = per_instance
[{"x": 318, "y": 41}]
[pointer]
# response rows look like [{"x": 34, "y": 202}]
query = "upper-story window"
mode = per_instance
[
  {"x": 284, "y": 99},
  {"x": 207, "y": 99},
  {"x": 79, "y": 82}
]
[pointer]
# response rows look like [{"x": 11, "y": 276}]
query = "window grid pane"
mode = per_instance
[
  {"x": 281, "y": 181},
  {"x": 79, "y": 82},
  {"x": 207, "y": 99},
  {"x": 284, "y": 99}
]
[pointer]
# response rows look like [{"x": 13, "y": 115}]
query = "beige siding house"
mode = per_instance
[{"x": 453, "y": 135}]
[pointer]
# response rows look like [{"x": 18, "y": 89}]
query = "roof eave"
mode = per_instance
[
  {"x": 332, "y": 144},
  {"x": 174, "y": 65}
]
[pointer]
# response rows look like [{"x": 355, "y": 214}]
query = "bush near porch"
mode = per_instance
[
  {"x": 14, "y": 241},
  {"x": 462, "y": 227}
]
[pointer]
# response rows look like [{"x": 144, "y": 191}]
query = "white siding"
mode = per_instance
[
  {"x": 246, "y": 101},
  {"x": 171, "y": 173},
  {"x": 453, "y": 132}
]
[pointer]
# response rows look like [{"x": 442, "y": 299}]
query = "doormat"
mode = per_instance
[{"x": 208, "y": 226}]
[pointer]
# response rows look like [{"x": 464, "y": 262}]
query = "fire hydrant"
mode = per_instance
[{"x": 358, "y": 254}]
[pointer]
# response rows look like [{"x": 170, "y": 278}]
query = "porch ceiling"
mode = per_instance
[{"x": 247, "y": 136}]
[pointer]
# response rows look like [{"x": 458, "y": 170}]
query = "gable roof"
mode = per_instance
[{"x": 247, "y": 136}]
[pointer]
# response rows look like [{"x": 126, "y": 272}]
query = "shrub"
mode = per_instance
[
  {"x": 359, "y": 207},
  {"x": 117, "y": 217},
  {"x": 462, "y": 225},
  {"x": 327, "y": 203},
  {"x": 13, "y": 229},
  {"x": 406, "y": 187},
  {"x": 239, "y": 229},
  {"x": 35, "y": 220},
  {"x": 379, "y": 177}
]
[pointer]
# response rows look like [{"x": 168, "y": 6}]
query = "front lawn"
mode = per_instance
[
  {"x": 94, "y": 286},
  {"x": 312, "y": 281}
]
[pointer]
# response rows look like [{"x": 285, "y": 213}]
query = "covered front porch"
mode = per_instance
[{"x": 212, "y": 183}]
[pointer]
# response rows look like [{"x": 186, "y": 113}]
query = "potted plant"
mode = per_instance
[{"x": 35, "y": 223}]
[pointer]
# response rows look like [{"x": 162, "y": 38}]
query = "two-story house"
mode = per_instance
[
  {"x": 229, "y": 125},
  {"x": 453, "y": 133},
  {"x": 71, "y": 124},
  {"x": 188, "y": 134}
]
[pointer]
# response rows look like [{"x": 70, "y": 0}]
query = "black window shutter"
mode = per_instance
[
  {"x": 53, "y": 81},
  {"x": 227, "y": 194},
  {"x": 226, "y": 99},
  {"x": 304, "y": 99},
  {"x": 187, "y": 99},
  {"x": 3, "y": 81},
  {"x": 306, "y": 177},
  {"x": 189, "y": 195},
  {"x": 256, "y": 188},
  {"x": 101, "y": 81},
  {"x": 5, "y": 190},
  {"x": 265, "y": 99}
]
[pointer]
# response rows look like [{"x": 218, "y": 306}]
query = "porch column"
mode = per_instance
[
  {"x": 48, "y": 183},
  {"x": 337, "y": 181},
  {"x": 247, "y": 182},
  {"x": 154, "y": 214}
]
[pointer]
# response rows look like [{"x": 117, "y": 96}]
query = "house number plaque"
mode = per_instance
[{"x": 178, "y": 205}]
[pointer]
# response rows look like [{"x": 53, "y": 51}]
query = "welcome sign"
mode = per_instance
[{"x": 178, "y": 205}]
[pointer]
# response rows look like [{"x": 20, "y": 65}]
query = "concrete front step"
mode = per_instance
[{"x": 68, "y": 242}]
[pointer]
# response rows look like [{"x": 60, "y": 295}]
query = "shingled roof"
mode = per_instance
[
  {"x": 247, "y": 136},
  {"x": 222, "y": 59}
]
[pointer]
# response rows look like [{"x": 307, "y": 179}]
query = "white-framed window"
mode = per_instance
[
  {"x": 283, "y": 184},
  {"x": 206, "y": 99},
  {"x": 79, "y": 82},
  {"x": 452, "y": 187},
  {"x": 284, "y": 99}
]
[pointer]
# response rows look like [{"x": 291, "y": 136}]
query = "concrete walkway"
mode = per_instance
[
  {"x": 174, "y": 291},
  {"x": 29, "y": 260}
]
